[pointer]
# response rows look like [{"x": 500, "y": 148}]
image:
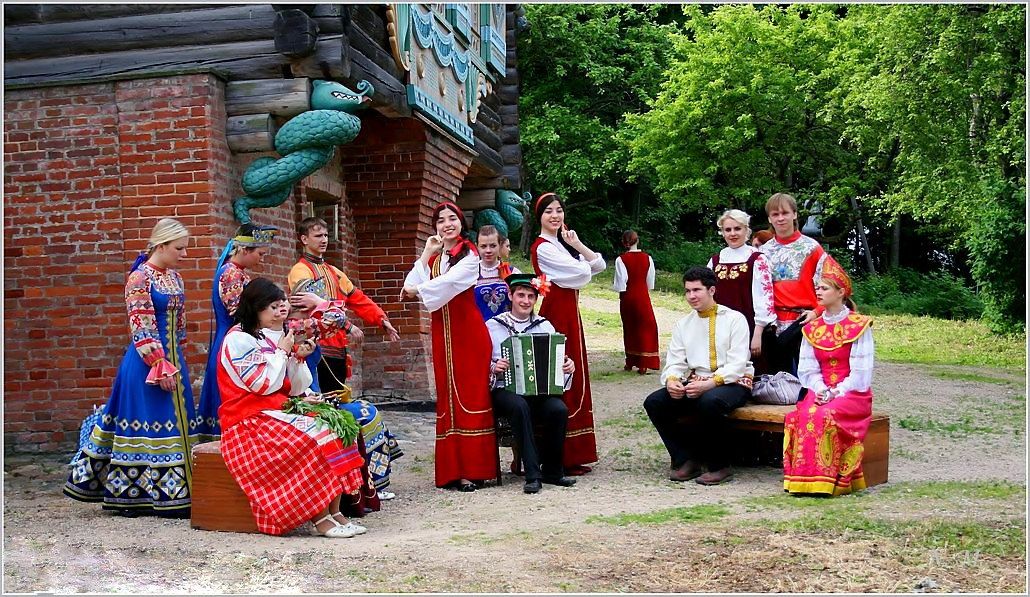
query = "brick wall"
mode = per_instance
[
  {"x": 395, "y": 173},
  {"x": 88, "y": 171}
]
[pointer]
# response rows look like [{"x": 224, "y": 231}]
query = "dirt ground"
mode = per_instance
[{"x": 501, "y": 540}]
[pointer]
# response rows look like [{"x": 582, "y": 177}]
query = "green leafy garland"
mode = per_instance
[{"x": 340, "y": 422}]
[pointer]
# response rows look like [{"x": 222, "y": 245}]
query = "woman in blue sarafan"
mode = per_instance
[
  {"x": 244, "y": 251},
  {"x": 136, "y": 459}
]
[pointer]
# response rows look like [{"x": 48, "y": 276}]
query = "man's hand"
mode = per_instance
[
  {"x": 307, "y": 301},
  {"x": 756, "y": 341},
  {"x": 675, "y": 387},
  {"x": 569, "y": 366},
  {"x": 391, "y": 332},
  {"x": 357, "y": 333},
  {"x": 810, "y": 315},
  {"x": 501, "y": 366},
  {"x": 698, "y": 387}
]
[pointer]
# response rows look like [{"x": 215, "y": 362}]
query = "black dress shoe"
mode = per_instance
[
  {"x": 560, "y": 481},
  {"x": 532, "y": 486}
]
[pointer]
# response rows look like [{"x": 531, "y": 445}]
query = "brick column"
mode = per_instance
[{"x": 395, "y": 173}]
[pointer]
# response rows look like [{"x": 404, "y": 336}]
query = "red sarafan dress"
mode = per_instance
[
  {"x": 823, "y": 443},
  {"x": 466, "y": 447},
  {"x": 634, "y": 277},
  {"x": 561, "y": 308}
]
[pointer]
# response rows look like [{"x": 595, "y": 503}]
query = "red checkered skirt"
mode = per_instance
[{"x": 285, "y": 473}]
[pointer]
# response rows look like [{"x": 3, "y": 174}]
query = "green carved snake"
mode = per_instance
[{"x": 307, "y": 142}]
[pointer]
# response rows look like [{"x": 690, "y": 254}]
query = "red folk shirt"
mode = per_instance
[
  {"x": 313, "y": 274},
  {"x": 796, "y": 263}
]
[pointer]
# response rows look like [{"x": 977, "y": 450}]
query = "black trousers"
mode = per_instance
[
  {"x": 703, "y": 438},
  {"x": 551, "y": 414},
  {"x": 332, "y": 373},
  {"x": 782, "y": 351}
]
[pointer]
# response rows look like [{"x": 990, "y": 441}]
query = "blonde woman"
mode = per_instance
[
  {"x": 744, "y": 280},
  {"x": 136, "y": 460}
]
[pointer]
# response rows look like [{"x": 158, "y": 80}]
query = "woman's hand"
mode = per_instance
[
  {"x": 391, "y": 332},
  {"x": 287, "y": 341},
  {"x": 168, "y": 383},
  {"x": 568, "y": 367},
  {"x": 408, "y": 292},
  {"x": 501, "y": 366},
  {"x": 305, "y": 348},
  {"x": 572, "y": 238},
  {"x": 433, "y": 244},
  {"x": 307, "y": 301}
]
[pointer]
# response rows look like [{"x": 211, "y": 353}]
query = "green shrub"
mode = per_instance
[
  {"x": 681, "y": 256},
  {"x": 904, "y": 290}
]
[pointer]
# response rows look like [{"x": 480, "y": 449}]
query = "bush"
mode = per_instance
[
  {"x": 904, "y": 290},
  {"x": 683, "y": 255}
]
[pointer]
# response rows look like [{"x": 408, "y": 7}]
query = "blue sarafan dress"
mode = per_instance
[
  {"x": 137, "y": 456},
  {"x": 225, "y": 297}
]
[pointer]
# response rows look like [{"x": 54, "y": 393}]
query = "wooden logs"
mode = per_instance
[
  {"x": 470, "y": 200},
  {"x": 295, "y": 33},
  {"x": 250, "y": 133},
  {"x": 281, "y": 97}
]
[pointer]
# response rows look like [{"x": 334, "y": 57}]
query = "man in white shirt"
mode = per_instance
[
  {"x": 542, "y": 463},
  {"x": 707, "y": 374}
]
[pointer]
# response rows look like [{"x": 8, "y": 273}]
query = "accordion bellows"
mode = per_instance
[{"x": 535, "y": 364}]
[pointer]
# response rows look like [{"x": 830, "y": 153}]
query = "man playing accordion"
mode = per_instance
[{"x": 543, "y": 462}]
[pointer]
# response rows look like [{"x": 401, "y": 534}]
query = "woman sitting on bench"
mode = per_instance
[
  {"x": 823, "y": 436},
  {"x": 292, "y": 468}
]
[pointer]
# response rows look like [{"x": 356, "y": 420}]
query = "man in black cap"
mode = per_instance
[{"x": 543, "y": 463}]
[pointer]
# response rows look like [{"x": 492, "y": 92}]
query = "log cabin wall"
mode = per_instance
[{"x": 117, "y": 115}]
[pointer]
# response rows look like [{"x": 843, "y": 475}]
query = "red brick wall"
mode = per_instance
[
  {"x": 396, "y": 172},
  {"x": 88, "y": 171}
]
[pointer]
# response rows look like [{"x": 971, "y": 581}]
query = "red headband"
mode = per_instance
[
  {"x": 462, "y": 242},
  {"x": 833, "y": 271},
  {"x": 536, "y": 206}
]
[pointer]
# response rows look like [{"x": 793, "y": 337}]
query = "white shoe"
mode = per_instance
[
  {"x": 337, "y": 531},
  {"x": 355, "y": 527},
  {"x": 386, "y": 495}
]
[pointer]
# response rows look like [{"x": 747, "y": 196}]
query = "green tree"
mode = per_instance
[{"x": 582, "y": 67}]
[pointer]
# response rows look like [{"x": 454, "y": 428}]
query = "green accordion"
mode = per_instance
[{"x": 535, "y": 364}]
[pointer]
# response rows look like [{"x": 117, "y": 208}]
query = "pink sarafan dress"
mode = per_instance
[{"x": 823, "y": 443}]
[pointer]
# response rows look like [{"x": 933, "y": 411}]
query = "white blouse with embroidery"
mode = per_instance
[
  {"x": 452, "y": 281},
  {"x": 861, "y": 361}
]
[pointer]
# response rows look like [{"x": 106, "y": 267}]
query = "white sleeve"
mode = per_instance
[
  {"x": 621, "y": 276},
  {"x": 437, "y": 292},
  {"x": 515, "y": 270},
  {"x": 762, "y": 292},
  {"x": 300, "y": 376},
  {"x": 419, "y": 274},
  {"x": 562, "y": 269},
  {"x": 738, "y": 354},
  {"x": 676, "y": 357},
  {"x": 650, "y": 273},
  {"x": 251, "y": 366},
  {"x": 809, "y": 373},
  {"x": 861, "y": 362},
  {"x": 498, "y": 333}
]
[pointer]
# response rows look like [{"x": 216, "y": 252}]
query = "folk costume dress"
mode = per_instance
[
  {"x": 137, "y": 456},
  {"x": 823, "y": 444},
  {"x": 466, "y": 447},
  {"x": 289, "y": 466},
  {"x": 491, "y": 292},
  {"x": 225, "y": 297},
  {"x": 634, "y": 276},
  {"x": 561, "y": 306},
  {"x": 313, "y": 274}
]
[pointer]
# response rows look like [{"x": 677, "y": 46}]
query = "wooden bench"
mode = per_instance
[
  {"x": 768, "y": 418},
  {"x": 218, "y": 502}
]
